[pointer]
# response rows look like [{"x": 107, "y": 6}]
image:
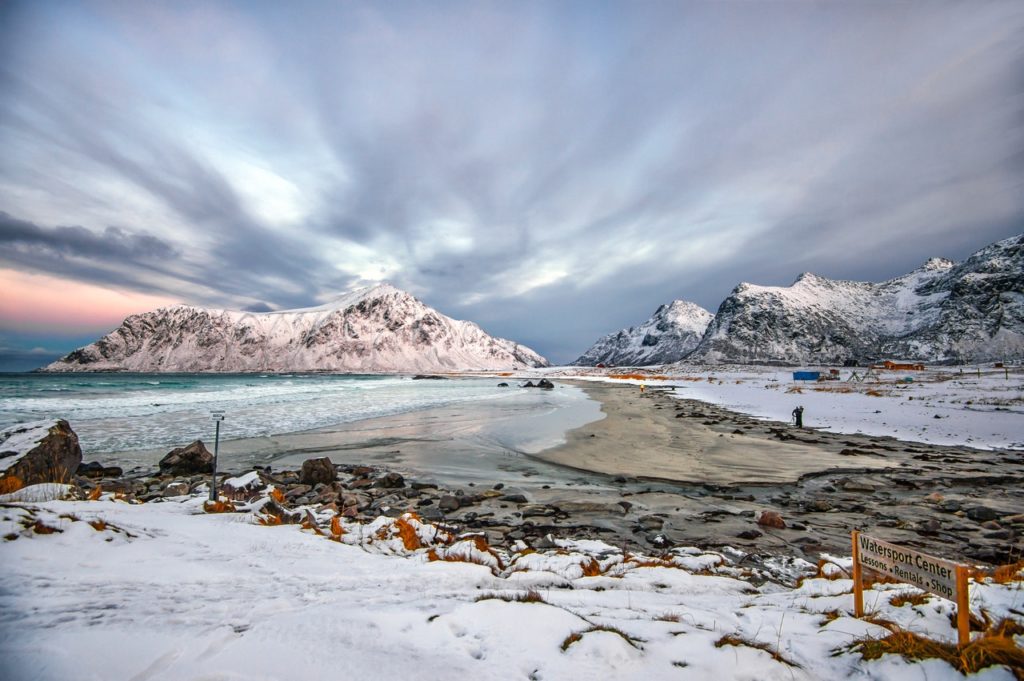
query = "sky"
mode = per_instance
[{"x": 553, "y": 171}]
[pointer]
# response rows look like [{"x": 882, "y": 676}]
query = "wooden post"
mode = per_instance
[
  {"x": 858, "y": 587},
  {"x": 963, "y": 610}
]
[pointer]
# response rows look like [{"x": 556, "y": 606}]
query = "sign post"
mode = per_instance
[
  {"x": 217, "y": 417},
  {"x": 943, "y": 578}
]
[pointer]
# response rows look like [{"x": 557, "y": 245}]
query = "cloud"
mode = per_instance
[{"x": 554, "y": 171}]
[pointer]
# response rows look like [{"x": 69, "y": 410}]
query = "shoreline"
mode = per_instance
[{"x": 622, "y": 477}]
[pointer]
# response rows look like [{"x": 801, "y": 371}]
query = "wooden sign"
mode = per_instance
[{"x": 941, "y": 577}]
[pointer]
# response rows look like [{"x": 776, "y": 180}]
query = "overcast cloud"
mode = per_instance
[{"x": 553, "y": 171}]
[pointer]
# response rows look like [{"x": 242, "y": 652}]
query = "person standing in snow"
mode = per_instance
[{"x": 798, "y": 417}]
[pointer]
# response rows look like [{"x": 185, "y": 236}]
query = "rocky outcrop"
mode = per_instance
[
  {"x": 39, "y": 452},
  {"x": 940, "y": 312},
  {"x": 376, "y": 330},
  {"x": 190, "y": 460},
  {"x": 668, "y": 336}
]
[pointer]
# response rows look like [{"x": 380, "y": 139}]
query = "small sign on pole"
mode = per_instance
[
  {"x": 943, "y": 578},
  {"x": 217, "y": 416}
]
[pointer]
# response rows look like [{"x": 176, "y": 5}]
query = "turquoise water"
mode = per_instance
[{"x": 125, "y": 412}]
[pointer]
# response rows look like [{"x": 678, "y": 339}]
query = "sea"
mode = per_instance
[{"x": 119, "y": 415}]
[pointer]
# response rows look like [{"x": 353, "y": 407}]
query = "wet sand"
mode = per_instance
[{"x": 642, "y": 436}]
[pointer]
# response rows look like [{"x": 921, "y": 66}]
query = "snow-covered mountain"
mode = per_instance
[
  {"x": 940, "y": 312},
  {"x": 668, "y": 336},
  {"x": 378, "y": 330}
]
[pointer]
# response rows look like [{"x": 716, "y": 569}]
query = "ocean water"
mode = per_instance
[{"x": 127, "y": 412}]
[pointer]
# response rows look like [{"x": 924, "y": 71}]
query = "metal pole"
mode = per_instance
[{"x": 213, "y": 477}]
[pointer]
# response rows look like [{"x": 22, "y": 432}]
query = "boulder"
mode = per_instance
[
  {"x": 195, "y": 459},
  {"x": 771, "y": 519},
  {"x": 545, "y": 383},
  {"x": 391, "y": 481},
  {"x": 448, "y": 503},
  {"x": 317, "y": 470},
  {"x": 95, "y": 469},
  {"x": 176, "y": 489},
  {"x": 40, "y": 452}
]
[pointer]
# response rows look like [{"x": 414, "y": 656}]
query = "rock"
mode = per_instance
[
  {"x": 499, "y": 485},
  {"x": 93, "y": 469},
  {"x": 529, "y": 384},
  {"x": 949, "y": 505},
  {"x": 190, "y": 460},
  {"x": 428, "y": 377},
  {"x": 545, "y": 383},
  {"x": 771, "y": 519},
  {"x": 176, "y": 489},
  {"x": 625, "y": 506},
  {"x": 929, "y": 527},
  {"x": 423, "y": 485},
  {"x": 40, "y": 452},
  {"x": 545, "y": 542},
  {"x": 998, "y": 534},
  {"x": 651, "y": 522},
  {"x": 981, "y": 513},
  {"x": 817, "y": 506},
  {"x": 659, "y": 541},
  {"x": 514, "y": 498},
  {"x": 317, "y": 470},
  {"x": 503, "y": 385},
  {"x": 391, "y": 481},
  {"x": 448, "y": 503},
  {"x": 749, "y": 534}
]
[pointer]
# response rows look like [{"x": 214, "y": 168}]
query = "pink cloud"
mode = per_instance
[{"x": 41, "y": 303}]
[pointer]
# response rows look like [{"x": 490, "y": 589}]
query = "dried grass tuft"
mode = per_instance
[
  {"x": 99, "y": 524},
  {"x": 909, "y": 598},
  {"x": 219, "y": 507},
  {"x": 577, "y": 636},
  {"x": 95, "y": 494},
  {"x": 12, "y": 483},
  {"x": 530, "y": 596},
  {"x": 734, "y": 640},
  {"x": 410, "y": 539},
  {"x": 996, "y": 646}
]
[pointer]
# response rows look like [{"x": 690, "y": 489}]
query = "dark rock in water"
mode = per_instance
[
  {"x": 503, "y": 385},
  {"x": 54, "y": 457},
  {"x": 428, "y": 377},
  {"x": 749, "y": 534},
  {"x": 528, "y": 384},
  {"x": 545, "y": 383},
  {"x": 651, "y": 522},
  {"x": 448, "y": 503},
  {"x": 391, "y": 481},
  {"x": 499, "y": 485},
  {"x": 514, "y": 498},
  {"x": 982, "y": 513},
  {"x": 317, "y": 470},
  {"x": 95, "y": 469},
  {"x": 191, "y": 460},
  {"x": 423, "y": 485}
]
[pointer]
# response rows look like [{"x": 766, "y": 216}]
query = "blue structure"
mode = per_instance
[{"x": 806, "y": 375}]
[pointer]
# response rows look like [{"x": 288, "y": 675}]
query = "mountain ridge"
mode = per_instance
[{"x": 377, "y": 329}]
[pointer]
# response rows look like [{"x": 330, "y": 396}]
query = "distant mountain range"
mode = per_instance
[
  {"x": 376, "y": 330},
  {"x": 941, "y": 312},
  {"x": 668, "y": 336}
]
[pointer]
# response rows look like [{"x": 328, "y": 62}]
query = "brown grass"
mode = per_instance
[
  {"x": 591, "y": 568},
  {"x": 577, "y": 636},
  {"x": 269, "y": 520},
  {"x": 407, "y": 532},
  {"x": 909, "y": 598},
  {"x": 795, "y": 389},
  {"x": 219, "y": 507},
  {"x": 734, "y": 640},
  {"x": 99, "y": 525},
  {"x": 277, "y": 495},
  {"x": 1004, "y": 574},
  {"x": 42, "y": 528},
  {"x": 336, "y": 529},
  {"x": 95, "y": 494},
  {"x": 12, "y": 483},
  {"x": 995, "y": 646},
  {"x": 530, "y": 596}
]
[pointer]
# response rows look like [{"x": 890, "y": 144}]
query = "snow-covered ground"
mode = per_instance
[
  {"x": 165, "y": 591},
  {"x": 939, "y": 406}
]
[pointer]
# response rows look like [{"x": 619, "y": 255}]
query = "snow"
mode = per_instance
[
  {"x": 165, "y": 591},
  {"x": 669, "y": 335},
  {"x": 17, "y": 441}
]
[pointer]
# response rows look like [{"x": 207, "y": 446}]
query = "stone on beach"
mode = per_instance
[
  {"x": 38, "y": 453},
  {"x": 190, "y": 460},
  {"x": 315, "y": 471},
  {"x": 771, "y": 519}
]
